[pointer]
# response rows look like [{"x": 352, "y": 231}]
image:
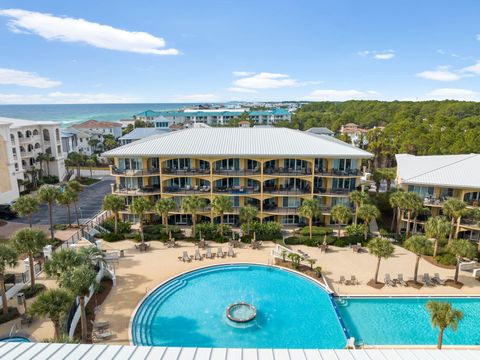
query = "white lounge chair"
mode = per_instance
[
  {"x": 209, "y": 254},
  {"x": 427, "y": 280},
  {"x": 198, "y": 256},
  {"x": 231, "y": 252},
  {"x": 438, "y": 280},
  {"x": 100, "y": 336},
  {"x": 389, "y": 281},
  {"x": 220, "y": 253},
  {"x": 400, "y": 280},
  {"x": 185, "y": 257},
  {"x": 353, "y": 280},
  {"x": 100, "y": 325}
]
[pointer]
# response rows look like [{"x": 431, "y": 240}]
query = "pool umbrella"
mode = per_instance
[{"x": 325, "y": 240}]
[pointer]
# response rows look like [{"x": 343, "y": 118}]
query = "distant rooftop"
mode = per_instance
[
  {"x": 17, "y": 123},
  {"x": 141, "y": 133},
  {"x": 217, "y": 112},
  {"x": 320, "y": 131},
  {"x": 456, "y": 171},
  {"x": 240, "y": 142},
  {"x": 90, "y": 124}
]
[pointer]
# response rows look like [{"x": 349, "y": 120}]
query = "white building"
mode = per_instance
[
  {"x": 100, "y": 128},
  {"x": 21, "y": 141}
]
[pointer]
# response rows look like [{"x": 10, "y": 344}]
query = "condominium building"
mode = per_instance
[
  {"x": 273, "y": 169},
  {"x": 21, "y": 141},
  {"x": 213, "y": 117},
  {"x": 440, "y": 177}
]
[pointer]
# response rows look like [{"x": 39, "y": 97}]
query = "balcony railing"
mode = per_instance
[
  {"x": 332, "y": 191},
  {"x": 186, "y": 171},
  {"x": 144, "y": 190},
  {"x": 280, "y": 210},
  {"x": 237, "y": 172},
  {"x": 237, "y": 190},
  {"x": 187, "y": 190},
  {"x": 137, "y": 172},
  {"x": 333, "y": 172},
  {"x": 286, "y": 190},
  {"x": 287, "y": 171}
]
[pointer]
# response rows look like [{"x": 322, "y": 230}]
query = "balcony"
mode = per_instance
[
  {"x": 341, "y": 192},
  {"x": 187, "y": 190},
  {"x": 280, "y": 210},
  {"x": 144, "y": 190},
  {"x": 237, "y": 190},
  {"x": 185, "y": 171},
  {"x": 287, "y": 171},
  {"x": 334, "y": 172},
  {"x": 237, "y": 172},
  {"x": 138, "y": 172},
  {"x": 287, "y": 190}
]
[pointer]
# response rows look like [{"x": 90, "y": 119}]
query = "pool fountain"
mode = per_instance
[{"x": 241, "y": 312}]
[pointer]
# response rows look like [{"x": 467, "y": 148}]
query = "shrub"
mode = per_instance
[
  {"x": 30, "y": 292},
  {"x": 12, "y": 313},
  {"x": 316, "y": 231},
  {"x": 50, "y": 179},
  {"x": 87, "y": 181},
  {"x": 303, "y": 240},
  {"x": 446, "y": 259},
  {"x": 111, "y": 237},
  {"x": 346, "y": 240},
  {"x": 355, "y": 230},
  {"x": 264, "y": 231},
  {"x": 123, "y": 226},
  {"x": 212, "y": 232},
  {"x": 318, "y": 271}
]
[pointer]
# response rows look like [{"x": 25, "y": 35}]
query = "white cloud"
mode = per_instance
[
  {"x": 378, "y": 55},
  {"x": 197, "y": 98},
  {"x": 242, "y": 90},
  {"x": 453, "y": 94},
  {"x": 64, "y": 98},
  {"x": 265, "y": 80},
  {"x": 340, "y": 95},
  {"x": 242, "y": 73},
  {"x": 440, "y": 74},
  {"x": 24, "y": 78},
  {"x": 67, "y": 29},
  {"x": 474, "y": 69}
]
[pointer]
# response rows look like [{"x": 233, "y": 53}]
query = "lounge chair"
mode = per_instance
[
  {"x": 401, "y": 281},
  {"x": 209, "y": 254},
  {"x": 304, "y": 254},
  {"x": 438, "y": 280},
  {"x": 389, "y": 281},
  {"x": 220, "y": 253},
  {"x": 427, "y": 280},
  {"x": 353, "y": 280},
  {"x": 341, "y": 280},
  {"x": 100, "y": 336},
  {"x": 100, "y": 325},
  {"x": 185, "y": 257},
  {"x": 231, "y": 252},
  {"x": 198, "y": 256}
]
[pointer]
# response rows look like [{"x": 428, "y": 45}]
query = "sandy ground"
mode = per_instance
[{"x": 138, "y": 273}]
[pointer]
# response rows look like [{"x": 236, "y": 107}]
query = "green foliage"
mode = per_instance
[
  {"x": 123, "y": 226},
  {"x": 87, "y": 181},
  {"x": 111, "y": 237},
  {"x": 345, "y": 241},
  {"x": 295, "y": 259},
  {"x": 304, "y": 240},
  {"x": 264, "y": 231},
  {"x": 355, "y": 230},
  {"x": 62, "y": 339},
  {"x": 31, "y": 291},
  {"x": 12, "y": 313},
  {"x": 443, "y": 315},
  {"x": 316, "y": 231},
  {"x": 381, "y": 248},
  {"x": 318, "y": 271},
  {"x": 25, "y": 205},
  {"x": 212, "y": 232},
  {"x": 446, "y": 259}
]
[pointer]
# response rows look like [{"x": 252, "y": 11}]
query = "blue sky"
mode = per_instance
[{"x": 87, "y": 51}]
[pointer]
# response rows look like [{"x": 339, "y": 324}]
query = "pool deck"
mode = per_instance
[{"x": 138, "y": 273}]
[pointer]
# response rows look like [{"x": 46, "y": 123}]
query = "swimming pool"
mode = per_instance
[
  {"x": 292, "y": 311},
  {"x": 15, "y": 339},
  {"x": 406, "y": 321}
]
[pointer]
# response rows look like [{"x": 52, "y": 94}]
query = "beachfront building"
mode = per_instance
[
  {"x": 21, "y": 141},
  {"x": 141, "y": 133},
  {"x": 440, "y": 177},
  {"x": 213, "y": 117},
  {"x": 100, "y": 128},
  {"x": 273, "y": 169}
]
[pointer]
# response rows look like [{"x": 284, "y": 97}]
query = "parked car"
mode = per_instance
[{"x": 6, "y": 212}]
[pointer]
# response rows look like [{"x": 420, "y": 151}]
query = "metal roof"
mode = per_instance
[
  {"x": 457, "y": 171},
  {"x": 44, "y": 351},
  {"x": 211, "y": 142},
  {"x": 140, "y": 133}
]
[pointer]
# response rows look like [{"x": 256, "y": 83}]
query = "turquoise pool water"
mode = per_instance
[
  {"x": 405, "y": 321},
  {"x": 292, "y": 311},
  {"x": 15, "y": 339}
]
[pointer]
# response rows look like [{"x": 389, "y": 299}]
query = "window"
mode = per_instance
[
  {"x": 228, "y": 164},
  {"x": 35, "y": 132},
  {"x": 344, "y": 164},
  {"x": 131, "y": 164},
  {"x": 319, "y": 165},
  {"x": 291, "y": 202},
  {"x": 422, "y": 191},
  {"x": 295, "y": 164},
  {"x": 46, "y": 135},
  {"x": 131, "y": 182},
  {"x": 178, "y": 164},
  {"x": 290, "y": 219},
  {"x": 348, "y": 184}
]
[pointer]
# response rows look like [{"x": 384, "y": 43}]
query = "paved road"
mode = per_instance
[{"x": 89, "y": 204}]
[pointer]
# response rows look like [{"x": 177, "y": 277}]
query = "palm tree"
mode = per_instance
[
  {"x": 368, "y": 212},
  {"x": 358, "y": 198},
  {"x": 75, "y": 187},
  {"x": 79, "y": 281},
  {"x": 443, "y": 315},
  {"x": 454, "y": 209},
  {"x": 8, "y": 258},
  {"x": 41, "y": 157},
  {"x": 77, "y": 159},
  {"x": 460, "y": 248},
  {"x": 419, "y": 245},
  {"x": 90, "y": 163},
  {"x": 54, "y": 304},
  {"x": 140, "y": 206},
  {"x": 382, "y": 249},
  {"x": 66, "y": 198},
  {"x": 192, "y": 205},
  {"x": 437, "y": 228},
  {"x": 115, "y": 204},
  {"x": 26, "y": 205},
  {"x": 247, "y": 215},
  {"x": 62, "y": 261},
  {"x": 49, "y": 158},
  {"x": 412, "y": 203},
  {"x": 395, "y": 202},
  {"x": 93, "y": 144},
  {"x": 49, "y": 194},
  {"x": 29, "y": 241},
  {"x": 341, "y": 215},
  {"x": 309, "y": 209},
  {"x": 163, "y": 207},
  {"x": 221, "y": 205}
]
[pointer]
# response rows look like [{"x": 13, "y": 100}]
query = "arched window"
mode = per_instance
[
  {"x": 28, "y": 133},
  {"x": 22, "y": 149},
  {"x": 37, "y": 145},
  {"x": 57, "y": 133},
  {"x": 19, "y": 134},
  {"x": 30, "y": 147},
  {"x": 49, "y": 150},
  {"x": 24, "y": 163},
  {"x": 35, "y": 132},
  {"x": 12, "y": 138},
  {"x": 46, "y": 135},
  {"x": 32, "y": 161}
]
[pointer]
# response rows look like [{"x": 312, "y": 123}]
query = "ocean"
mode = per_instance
[{"x": 74, "y": 113}]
